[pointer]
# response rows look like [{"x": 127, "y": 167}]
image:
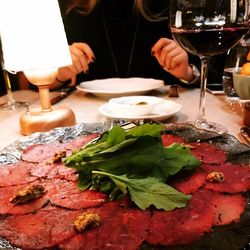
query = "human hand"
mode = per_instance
[
  {"x": 173, "y": 58},
  {"x": 81, "y": 55}
]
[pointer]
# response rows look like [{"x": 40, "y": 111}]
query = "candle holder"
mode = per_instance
[
  {"x": 45, "y": 117},
  {"x": 37, "y": 45}
]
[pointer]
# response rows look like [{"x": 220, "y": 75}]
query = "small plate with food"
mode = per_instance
[{"x": 139, "y": 108}]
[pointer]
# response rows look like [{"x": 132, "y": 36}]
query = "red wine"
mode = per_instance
[{"x": 208, "y": 42}]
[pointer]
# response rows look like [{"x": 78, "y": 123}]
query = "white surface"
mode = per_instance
[
  {"x": 86, "y": 108},
  {"x": 115, "y": 87},
  {"x": 160, "y": 112},
  {"x": 135, "y": 105}
]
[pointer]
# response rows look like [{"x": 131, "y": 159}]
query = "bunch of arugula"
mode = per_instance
[{"x": 134, "y": 162}]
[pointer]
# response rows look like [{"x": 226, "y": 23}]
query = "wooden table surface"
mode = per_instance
[{"x": 85, "y": 107}]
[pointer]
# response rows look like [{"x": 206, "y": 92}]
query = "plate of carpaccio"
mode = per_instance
[{"x": 50, "y": 200}]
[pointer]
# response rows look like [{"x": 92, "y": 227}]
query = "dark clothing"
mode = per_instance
[
  {"x": 121, "y": 24},
  {"x": 13, "y": 82},
  {"x": 2, "y": 85}
]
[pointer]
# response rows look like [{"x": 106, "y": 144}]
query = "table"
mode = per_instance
[{"x": 85, "y": 107}]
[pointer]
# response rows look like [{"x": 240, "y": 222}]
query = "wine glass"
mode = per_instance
[
  {"x": 206, "y": 28},
  {"x": 11, "y": 103}
]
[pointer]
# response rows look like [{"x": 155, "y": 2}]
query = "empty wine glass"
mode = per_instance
[
  {"x": 11, "y": 103},
  {"x": 206, "y": 28}
]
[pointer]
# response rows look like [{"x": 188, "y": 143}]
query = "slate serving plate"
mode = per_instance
[{"x": 232, "y": 237}]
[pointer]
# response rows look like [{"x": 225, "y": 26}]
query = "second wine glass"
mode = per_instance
[{"x": 207, "y": 28}]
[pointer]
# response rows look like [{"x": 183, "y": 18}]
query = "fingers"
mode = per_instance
[
  {"x": 85, "y": 49},
  {"x": 81, "y": 55},
  {"x": 168, "y": 53},
  {"x": 172, "y": 57}
]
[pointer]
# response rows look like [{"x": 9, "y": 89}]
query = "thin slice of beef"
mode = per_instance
[
  {"x": 7, "y": 193},
  {"x": 66, "y": 194},
  {"x": 59, "y": 192},
  {"x": 45, "y": 229},
  {"x": 189, "y": 183},
  {"x": 45, "y": 152},
  {"x": 64, "y": 172},
  {"x": 42, "y": 152},
  {"x": 16, "y": 174},
  {"x": 183, "y": 225},
  {"x": 80, "y": 142},
  {"x": 54, "y": 170},
  {"x": 120, "y": 228},
  {"x": 228, "y": 208},
  {"x": 42, "y": 170},
  {"x": 236, "y": 178},
  {"x": 168, "y": 139},
  {"x": 208, "y": 153}
]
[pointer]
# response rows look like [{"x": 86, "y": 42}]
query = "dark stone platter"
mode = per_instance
[{"x": 232, "y": 237}]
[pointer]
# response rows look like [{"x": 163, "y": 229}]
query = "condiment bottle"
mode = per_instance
[{"x": 246, "y": 114}]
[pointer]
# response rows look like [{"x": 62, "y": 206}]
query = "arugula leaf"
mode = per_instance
[
  {"x": 137, "y": 154},
  {"x": 116, "y": 139},
  {"x": 116, "y": 136},
  {"x": 178, "y": 157},
  {"x": 84, "y": 180},
  {"x": 153, "y": 130},
  {"x": 149, "y": 191}
]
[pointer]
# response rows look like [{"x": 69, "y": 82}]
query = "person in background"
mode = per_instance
[{"x": 123, "y": 38}]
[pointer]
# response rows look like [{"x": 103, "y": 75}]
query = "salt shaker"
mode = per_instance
[{"x": 246, "y": 114}]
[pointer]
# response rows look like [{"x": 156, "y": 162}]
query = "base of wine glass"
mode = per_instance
[
  {"x": 210, "y": 126},
  {"x": 14, "y": 105}
]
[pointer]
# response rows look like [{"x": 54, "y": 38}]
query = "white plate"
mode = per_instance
[
  {"x": 115, "y": 87},
  {"x": 136, "y": 105},
  {"x": 160, "y": 112}
]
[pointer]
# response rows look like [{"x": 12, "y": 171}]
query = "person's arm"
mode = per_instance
[{"x": 174, "y": 59}]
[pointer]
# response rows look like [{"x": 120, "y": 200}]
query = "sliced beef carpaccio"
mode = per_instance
[
  {"x": 54, "y": 170},
  {"x": 208, "y": 153},
  {"x": 168, "y": 139},
  {"x": 61, "y": 193},
  {"x": 189, "y": 182},
  {"x": 66, "y": 194},
  {"x": 182, "y": 226},
  {"x": 120, "y": 228},
  {"x": 227, "y": 208},
  {"x": 45, "y": 152},
  {"x": 236, "y": 178},
  {"x": 41, "y": 152},
  {"x": 7, "y": 207},
  {"x": 80, "y": 142},
  {"x": 40, "y": 225},
  {"x": 16, "y": 174},
  {"x": 204, "y": 151},
  {"x": 205, "y": 210},
  {"x": 44, "y": 229}
]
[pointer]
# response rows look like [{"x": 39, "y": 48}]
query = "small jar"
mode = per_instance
[{"x": 246, "y": 114}]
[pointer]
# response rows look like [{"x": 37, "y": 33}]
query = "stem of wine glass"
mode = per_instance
[
  {"x": 10, "y": 99},
  {"x": 11, "y": 104},
  {"x": 201, "y": 118}
]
